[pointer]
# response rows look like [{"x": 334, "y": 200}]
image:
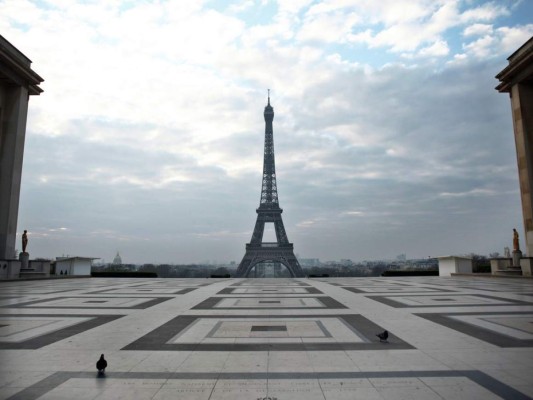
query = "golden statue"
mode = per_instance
[{"x": 516, "y": 244}]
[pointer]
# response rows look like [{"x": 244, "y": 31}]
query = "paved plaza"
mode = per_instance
[{"x": 284, "y": 339}]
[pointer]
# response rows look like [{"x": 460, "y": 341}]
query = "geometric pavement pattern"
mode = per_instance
[{"x": 449, "y": 338}]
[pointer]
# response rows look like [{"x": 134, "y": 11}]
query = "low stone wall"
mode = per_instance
[
  {"x": 497, "y": 264},
  {"x": 40, "y": 266},
  {"x": 9, "y": 269}
]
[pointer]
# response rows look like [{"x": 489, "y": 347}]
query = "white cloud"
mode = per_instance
[
  {"x": 438, "y": 49},
  {"x": 240, "y": 7},
  {"x": 292, "y": 6},
  {"x": 482, "y": 47},
  {"x": 512, "y": 38},
  {"x": 332, "y": 27},
  {"x": 501, "y": 41},
  {"x": 473, "y": 192},
  {"x": 486, "y": 12},
  {"x": 400, "y": 27},
  {"x": 478, "y": 30},
  {"x": 353, "y": 213}
]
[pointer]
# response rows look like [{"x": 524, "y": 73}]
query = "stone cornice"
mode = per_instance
[
  {"x": 520, "y": 68},
  {"x": 15, "y": 68}
]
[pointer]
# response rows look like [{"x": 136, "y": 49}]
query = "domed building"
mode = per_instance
[{"x": 117, "y": 260}]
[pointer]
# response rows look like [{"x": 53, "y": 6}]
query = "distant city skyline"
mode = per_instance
[
  {"x": 302, "y": 260},
  {"x": 148, "y": 138}
]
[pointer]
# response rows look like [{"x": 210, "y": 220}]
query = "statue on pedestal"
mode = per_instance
[
  {"x": 517, "y": 254},
  {"x": 24, "y": 241},
  {"x": 24, "y": 257},
  {"x": 516, "y": 243}
]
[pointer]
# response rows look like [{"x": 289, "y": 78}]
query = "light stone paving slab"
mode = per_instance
[
  {"x": 199, "y": 389},
  {"x": 300, "y": 389},
  {"x": 473, "y": 341},
  {"x": 239, "y": 389}
]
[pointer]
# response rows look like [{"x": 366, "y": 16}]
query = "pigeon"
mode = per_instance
[
  {"x": 101, "y": 364},
  {"x": 383, "y": 336}
]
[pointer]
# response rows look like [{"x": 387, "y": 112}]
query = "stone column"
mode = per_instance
[
  {"x": 522, "y": 106},
  {"x": 13, "y": 111}
]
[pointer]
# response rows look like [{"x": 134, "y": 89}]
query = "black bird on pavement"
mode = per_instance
[
  {"x": 383, "y": 336},
  {"x": 101, "y": 364}
]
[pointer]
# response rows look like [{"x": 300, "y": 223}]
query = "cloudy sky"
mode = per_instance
[{"x": 148, "y": 138}]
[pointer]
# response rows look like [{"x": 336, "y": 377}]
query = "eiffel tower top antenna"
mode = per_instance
[{"x": 269, "y": 189}]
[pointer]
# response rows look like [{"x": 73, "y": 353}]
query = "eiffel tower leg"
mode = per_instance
[
  {"x": 259, "y": 229},
  {"x": 295, "y": 268},
  {"x": 281, "y": 236},
  {"x": 258, "y": 255},
  {"x": 245, "y": 265},
  {"x": 289, "y": 260}
]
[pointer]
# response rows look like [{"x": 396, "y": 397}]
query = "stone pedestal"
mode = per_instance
[
  {"x": 517, "y": 255},
  {"x": 24, "y": 259},
  {"x": 527, "y": 266}
]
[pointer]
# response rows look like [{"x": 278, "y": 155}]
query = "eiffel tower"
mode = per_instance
[{"x": 269, "y": 211}]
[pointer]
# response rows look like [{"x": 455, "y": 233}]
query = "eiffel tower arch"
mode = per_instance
[{"x": 269, "y": 211}]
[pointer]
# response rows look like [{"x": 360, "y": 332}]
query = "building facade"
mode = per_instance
[
  {"x": 17, "y": 83},
  {"x": 517, "y": 80}
]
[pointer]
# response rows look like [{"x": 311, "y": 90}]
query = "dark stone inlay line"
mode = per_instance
[
  {"x": 211, "y": 302},
  {"x": 269, "y": 328},
  {"x": 55, "y": 336},
  {"x": 208, "y": 304},
  {"x": 55, "y": 380},
  {"x": 480, "y": 333},
  {"x": 112, "y": 291},
  {"x": 291, "y": 284},
  {"x": 308, "y": 290},
  {"x": 157, "y": 340},
  {"x": 33, "y": 304},
  {"x": 388, "y": 300},
  {"x": 30, "y": 291},
  {"x": 329, "y": 302},
  {"x": 270, "y": 302},
  {"x": 188, "y": 290},
  {"x": 365, "y": 282},
  {"x": 164, "y": 285},
  {"x": 393, "y": 289}
]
